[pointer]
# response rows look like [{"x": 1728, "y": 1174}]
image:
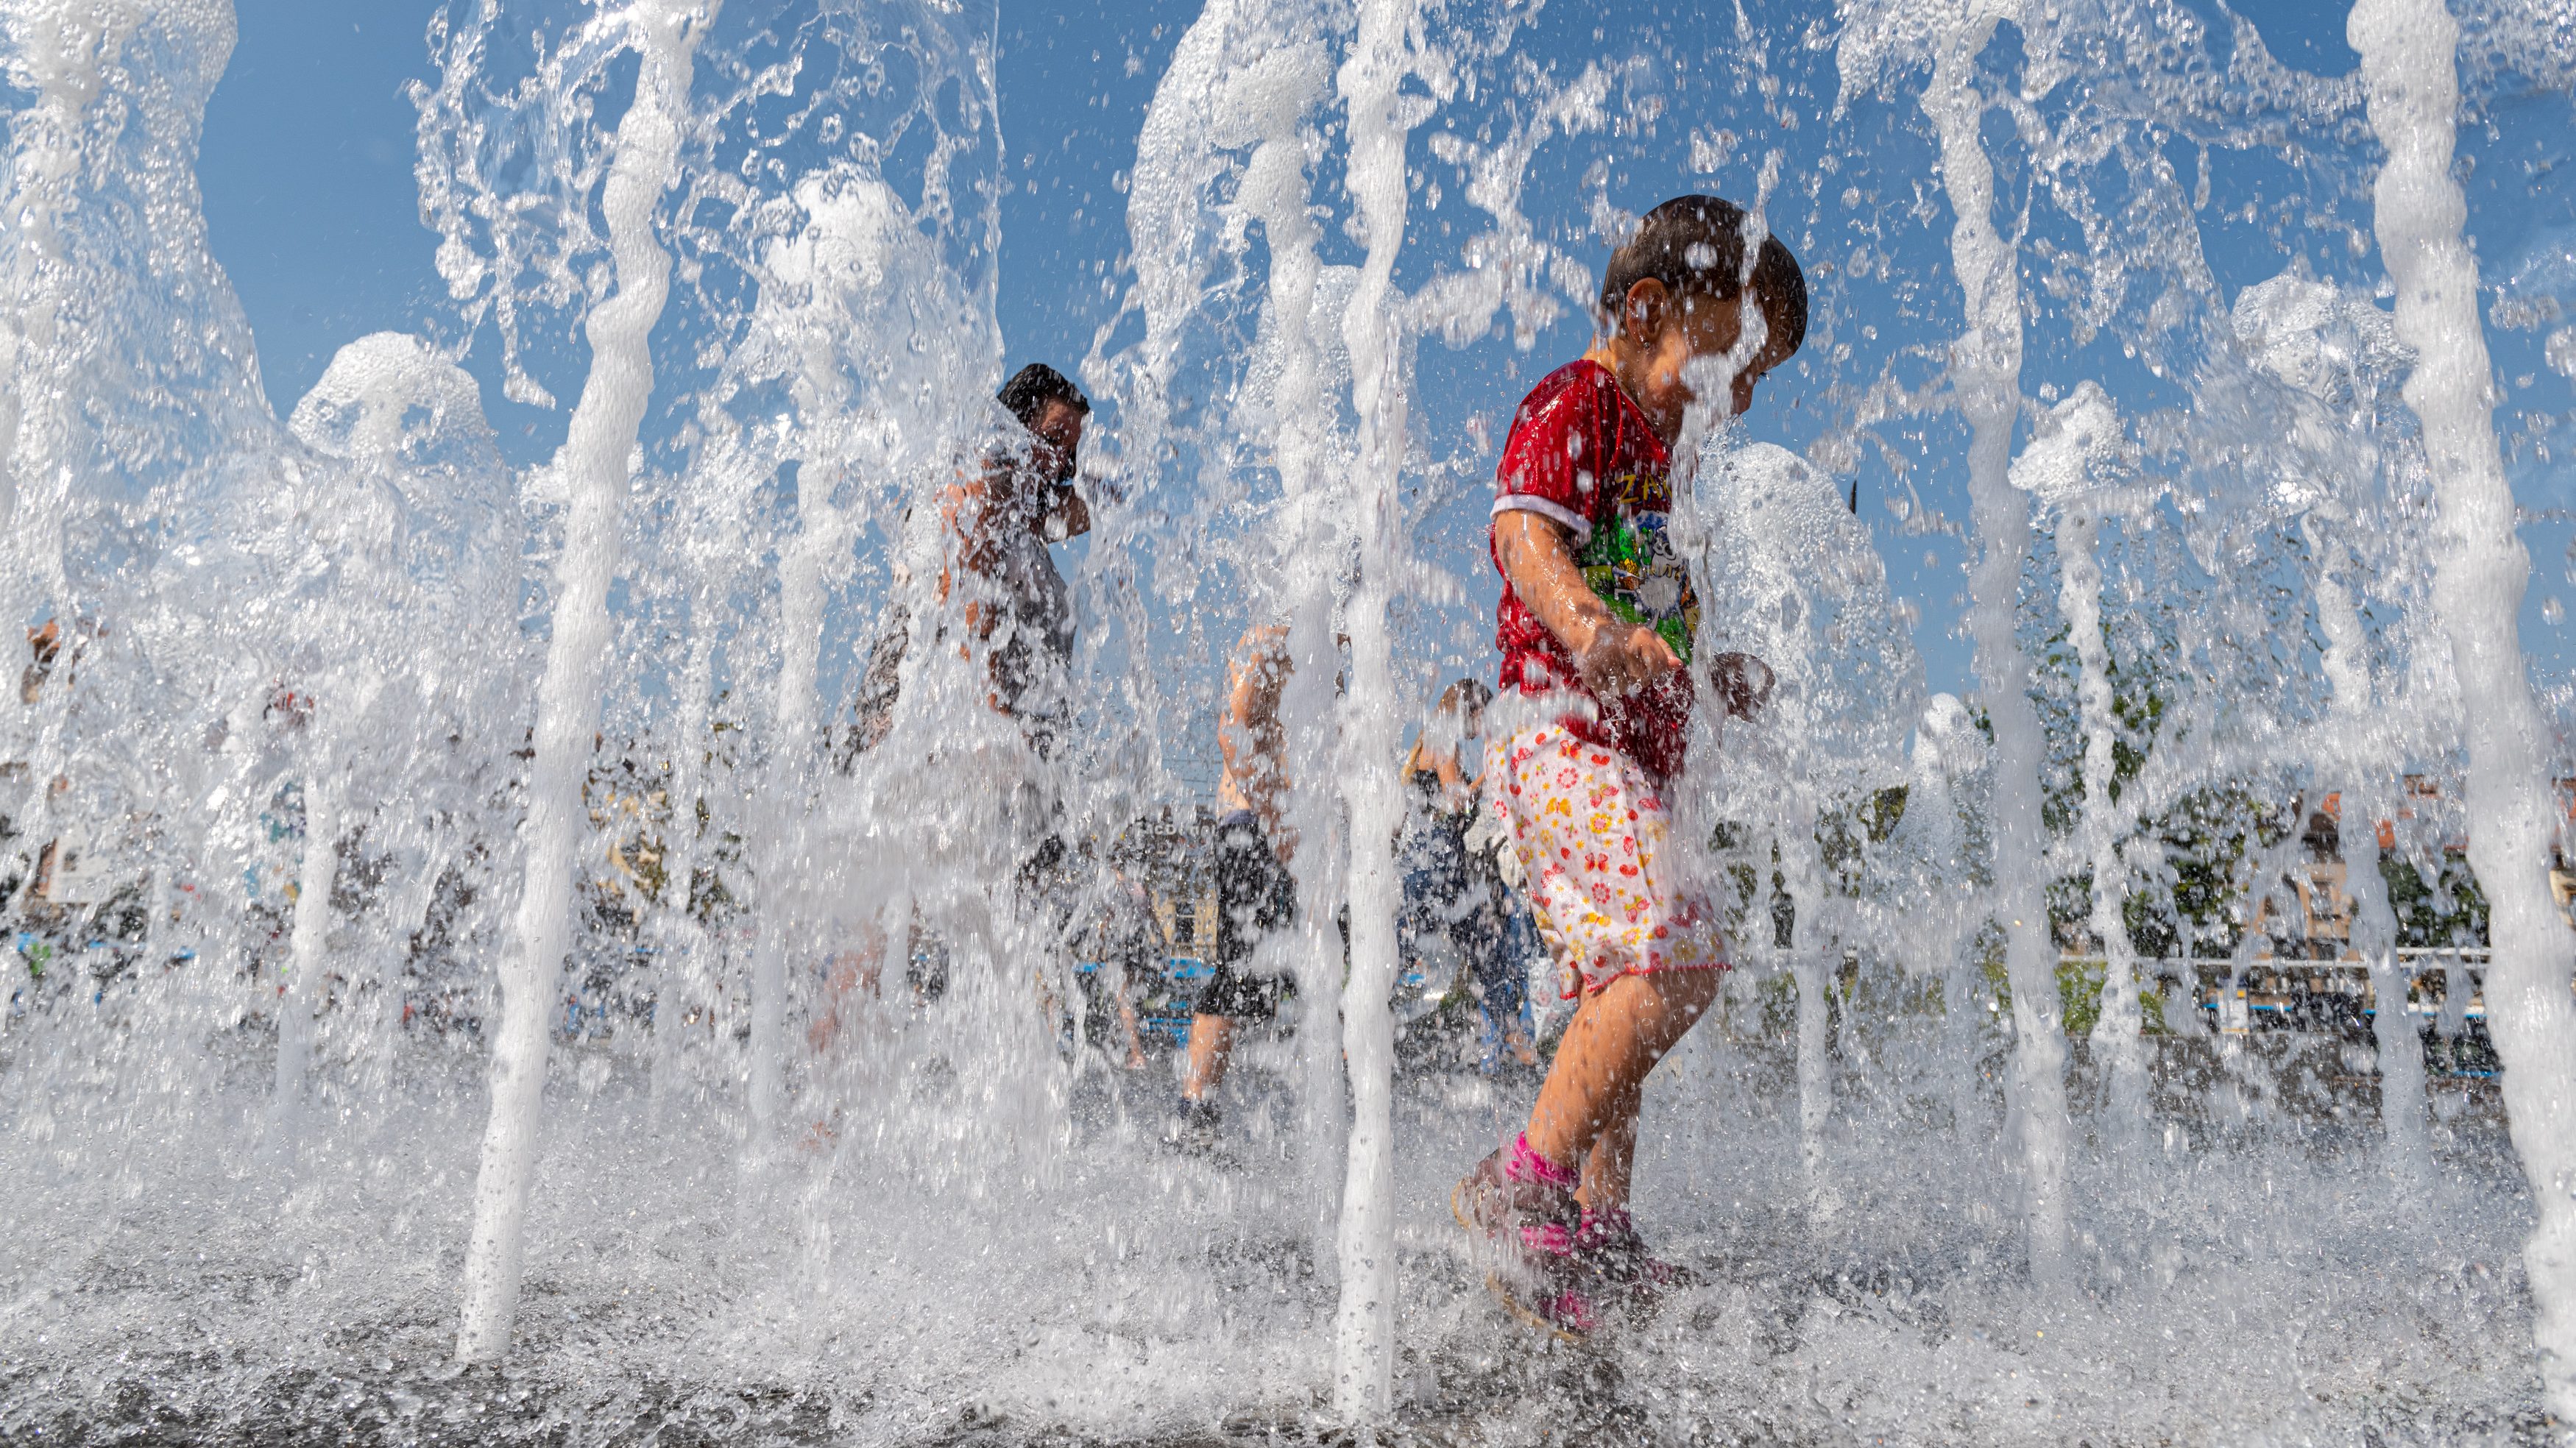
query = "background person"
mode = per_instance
[
  {"x": 1255, "y": 894},
  {"x": 996, "y": 527},
  {"x": 996, "y": 524},
  {"x": 1455, "y": 922}
]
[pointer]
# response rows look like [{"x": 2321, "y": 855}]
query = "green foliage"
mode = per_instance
[
  {"x": 2137, "y": 712},
  {"x": 1776, "y": 997},
  {"x": 1882, "y": 812},
  {"x": 2079, "y": 990},
  {"x": 2079, "y": 994},
  {"x": 2452, "y": 911},
  {"x": 1845, "y": 834},
  {"x": 2206, "y": 838}
]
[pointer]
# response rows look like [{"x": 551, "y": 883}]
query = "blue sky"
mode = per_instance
[{"x": 312, "y": 210}]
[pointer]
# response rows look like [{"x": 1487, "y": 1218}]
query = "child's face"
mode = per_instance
[
  {"x": 1668, "y": 337},
  {"x": 1059, "y": 433}
]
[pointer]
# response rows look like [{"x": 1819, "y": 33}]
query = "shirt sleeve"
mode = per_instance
[{"x": 1548, "y": 467}]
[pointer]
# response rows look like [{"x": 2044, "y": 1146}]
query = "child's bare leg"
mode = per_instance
[
  {"x": 848, "y": 973},
  {"x": 1613, "y": 1158},
  {"x": 1211, "y": 1049},
  {"x": 1616, "y": 1037},
  {"x": 1135, "y": 1036}
]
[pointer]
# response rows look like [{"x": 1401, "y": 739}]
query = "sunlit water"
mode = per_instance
[
  {"x": 2259, "y": 1290},
  {"x": 328, "y": 687}
]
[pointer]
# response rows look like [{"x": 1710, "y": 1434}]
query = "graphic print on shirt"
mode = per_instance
[{"x": 1631, "y": 564}]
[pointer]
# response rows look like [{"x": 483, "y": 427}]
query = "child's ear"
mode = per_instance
[{"x": 1642, "y": 318}]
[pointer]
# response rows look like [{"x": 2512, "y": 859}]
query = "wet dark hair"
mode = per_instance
[
  {"x": 1033, "y": 387},
  {"x": 1470, "y": 695},
  {"x": 1694, "y": 245}
]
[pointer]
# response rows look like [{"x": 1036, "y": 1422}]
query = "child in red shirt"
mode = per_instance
[{"x": 1596, "y": 624}]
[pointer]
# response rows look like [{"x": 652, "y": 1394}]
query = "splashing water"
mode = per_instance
[
  {"x": 2478, "y": 582},
  {"x": 478, "y": 977}
]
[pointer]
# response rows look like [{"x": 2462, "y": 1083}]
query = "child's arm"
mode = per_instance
[
  {"x": 1249, "y": 735},
  {"x": 965, "y": 511},
  {"x": 963, "y": 544},
  {"x": 1613, "y": 655},
  {"x": 1067, "y": 515}
]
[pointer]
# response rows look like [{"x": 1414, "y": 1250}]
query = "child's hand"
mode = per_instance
[
  {"x": 1613, "y": 655},
  {"x": 1624, "y": 656}
]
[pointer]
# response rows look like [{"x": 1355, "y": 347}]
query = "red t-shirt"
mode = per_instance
[{"x": 1582, "y": 455}]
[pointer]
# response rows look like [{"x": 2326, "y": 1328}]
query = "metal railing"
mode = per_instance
[{"x": 2291, "y": 986}]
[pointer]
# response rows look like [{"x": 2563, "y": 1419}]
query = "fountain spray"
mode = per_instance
[
  {"x": 302, "y": 995},
  {"x": 848, "y": 243},
  {"x": 594, "y": 461},
  {"x": 63, "y": 54},
  {"x": 2072, "y": 466},
  {"x": 1985, "y": 368},
  {"x": 2374, "y": 922},
  {"x": 2315, "y": 338},
  {"x": 682, "y": 940},
  {"x": 2409, "y": 66},
  {"x": 1273, "y": 99},
  {"x": 1364, "y": 1338}
]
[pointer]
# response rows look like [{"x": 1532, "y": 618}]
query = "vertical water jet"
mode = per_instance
[
  {"x": 2366, "y": 770},
  {"x": 62, "y": 54},
  {"x": 1811, "y": 966},
  {"x": 303, "y": 992},
  {"x": 1364, "y": 1334},
  {"x": 593, "y": 461},
  {"x": 2408, "y": 52},
  {"x": 1985, "y": 368},
  {"x": 2078, "y": 452},
  {"x": 1277, "y": 97},
  {"x": 681, "y": 943}
]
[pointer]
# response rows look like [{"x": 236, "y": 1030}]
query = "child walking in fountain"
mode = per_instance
[{"x": 1595, "y": 626}]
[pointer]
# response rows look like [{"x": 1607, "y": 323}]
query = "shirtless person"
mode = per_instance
[
  {"x": 1254, "y": 892},
  {"x": 996, "y": 524}
]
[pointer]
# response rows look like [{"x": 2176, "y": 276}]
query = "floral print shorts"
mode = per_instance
[{"x": 1587, "y": 827}]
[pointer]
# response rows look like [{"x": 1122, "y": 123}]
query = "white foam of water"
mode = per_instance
[
  {"x": 309, "y": 951},
  {"x": 1934, "y": 862},
  {"x": 922, "y": 1274},
  {"x": 1794, "y": 581},
  {"x": 2331, "y": 345},
  {"x": 1248, "y": 78},
  {"x": 401, "y": 492},
  {"x": 61, "y": 52},
  {"x": 1138, "y": 1304},
  {"x": 81, "y": 439},
  {"x": 2408, "y": 62},
  {"x": 842, "y": 275}
]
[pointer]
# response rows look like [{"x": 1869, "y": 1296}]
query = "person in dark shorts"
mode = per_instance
[
  {"x": 1459, "y": 924},
  {"x": 1118, "y": 951},
  {"x": 1255, "y": 893}
]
